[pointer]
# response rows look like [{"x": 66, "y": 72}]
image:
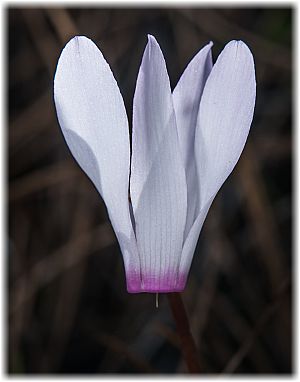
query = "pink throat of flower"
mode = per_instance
[{"x": 152, "y": 284}]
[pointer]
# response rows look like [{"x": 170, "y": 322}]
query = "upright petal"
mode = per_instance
[
  {"x": 157, "y": 184},
  {"x": 225, "y": 116},
  {"x": 186, "y": 98},
  {"x": 93, "y": 120}
]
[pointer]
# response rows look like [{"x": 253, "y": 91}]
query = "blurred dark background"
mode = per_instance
[{"x": 69, "y": 311}]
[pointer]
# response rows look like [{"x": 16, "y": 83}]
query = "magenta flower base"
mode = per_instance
[{"x": 148, "y": 284}]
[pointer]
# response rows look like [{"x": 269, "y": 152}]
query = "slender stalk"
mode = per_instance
[{"x": 189, "y": 348}]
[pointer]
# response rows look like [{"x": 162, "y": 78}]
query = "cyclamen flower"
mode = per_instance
[{"x": 184, "y": 146}]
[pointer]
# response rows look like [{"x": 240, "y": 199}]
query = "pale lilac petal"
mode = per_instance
[
  {"x": 225, "y": 116},
  {"x": 157, "y": 184},
  {"x": 186, "y": 99},
  {"x": 93, "y": 120}
]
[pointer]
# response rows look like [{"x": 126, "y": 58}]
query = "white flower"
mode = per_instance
[{"x": 184, "y": 146}]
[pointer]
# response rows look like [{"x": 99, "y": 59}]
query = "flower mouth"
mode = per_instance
[{"x": 155, "y": 284}]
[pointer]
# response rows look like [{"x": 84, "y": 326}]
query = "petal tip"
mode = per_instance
[
  {"x": 77, "y": 39},
  {"x": 152, "y": 48},
  {"x": 152, "y": 40},
  {"x": 77, "y": 42},
  {"x": 238, "y": 49},
  {"x": 72, "y": 47},
  {"x": 238, "y": 44}
]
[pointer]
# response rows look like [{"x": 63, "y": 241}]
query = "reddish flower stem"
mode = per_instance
[{"x": 189, "y": 349}]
